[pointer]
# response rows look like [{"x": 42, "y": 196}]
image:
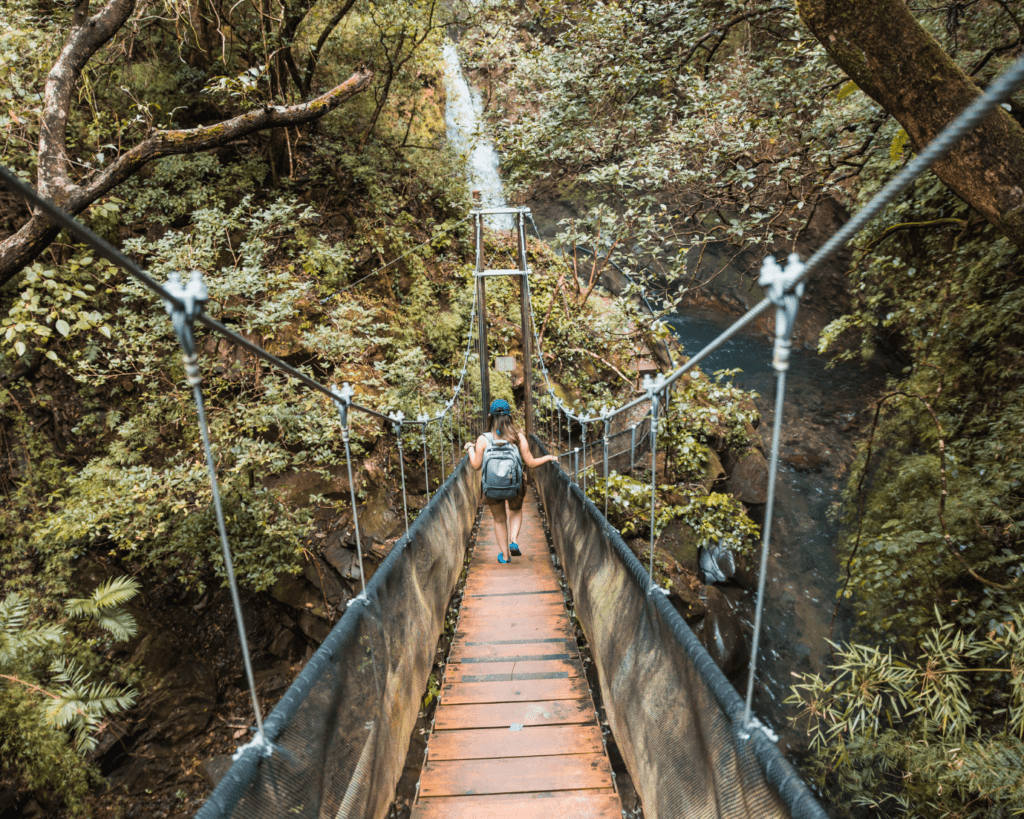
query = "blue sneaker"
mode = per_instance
[
  {"x": 501, "y": 558},
  {"x": 513, "y": 549}
]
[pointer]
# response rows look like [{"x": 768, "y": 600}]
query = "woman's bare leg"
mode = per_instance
[
  {"x": 501, "y": 528},
  {"x": 515, "y": 523}
]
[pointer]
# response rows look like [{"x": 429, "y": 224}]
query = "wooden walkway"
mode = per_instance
[{"x": 515, "y": 732}]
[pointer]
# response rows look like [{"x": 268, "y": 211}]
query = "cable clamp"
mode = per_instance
[
  {"x": 344, "y": 401},
  {"x": 192, "y": 297},
  {"x": 746, "y": 731},
  {"x": 653, "y": 388},
  {"x": 260, "y": 743},
  {"x": 784, "y": 289},
  {"x": 397, "y": 425}
]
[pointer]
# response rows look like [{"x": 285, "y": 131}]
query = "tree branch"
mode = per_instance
[{"x": 20, "y": 249}]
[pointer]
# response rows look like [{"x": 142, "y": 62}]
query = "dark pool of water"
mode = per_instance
[{"x": 823, "y": 412}]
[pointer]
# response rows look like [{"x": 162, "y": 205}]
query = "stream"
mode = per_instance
[{"x": 824, "y": 413}]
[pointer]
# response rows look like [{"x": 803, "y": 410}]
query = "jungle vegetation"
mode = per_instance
[
  {"x": 683, "y": 124},
  {"x": 290, "y": 149}
]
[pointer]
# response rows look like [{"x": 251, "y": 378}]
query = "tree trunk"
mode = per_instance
[{"x": 893, "y": 60}]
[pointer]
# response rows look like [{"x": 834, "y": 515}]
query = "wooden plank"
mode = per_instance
[
  {"x": 513, "y": 619},
  {"x": 547, "y": 773},
  {"x": 594, "y": 804},
  {"x": 514, "y": 691},
  {"x": 499, "y": 632},
  {"x": 534, "y": 740},
  {"x": 546, "y": 601},
  {"x": 506, "y": 714},
  {"x": 510, "y": 586},
  {"x": 512, "y": 651},
  {"x": 513, "y": 670},
  {"x": 526, "y": 614}
]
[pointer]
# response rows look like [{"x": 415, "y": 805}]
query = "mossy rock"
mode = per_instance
[
  {"x": 714, "y": 472},
  {"x": 679, "y": 541}
]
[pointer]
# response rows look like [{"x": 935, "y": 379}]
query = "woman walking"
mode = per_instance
[{"x": 508, "y": 513}]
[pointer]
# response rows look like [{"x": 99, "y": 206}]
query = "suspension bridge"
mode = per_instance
[{"x": 515, "y": 732}]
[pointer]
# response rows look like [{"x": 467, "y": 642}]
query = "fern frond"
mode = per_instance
[
  {"x": 118, "y": 623},
  {"x": 15, "y": 636},
  {"x": 13, "y": 611},
  {"x": 115, "y": 592}
]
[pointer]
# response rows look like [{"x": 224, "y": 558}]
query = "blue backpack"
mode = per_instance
[{"x": 502, "y": 469}]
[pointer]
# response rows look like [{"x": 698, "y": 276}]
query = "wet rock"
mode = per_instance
[
  {"x": 679, "y": 541},
  {"x": 149, "y": 766},
  {"x": 377, "y": 519},
  {"x": 297, "y": 486},
  {"x": 717, "y": 563},
  {"x": 723, "y": 635},
  {"x": 322, "y": 576},
  {"x": 283, "y": 643},
  {"x": 715, "y": 472},
  {"x": 749, "y": 479},
  {"x": 687, "y": 598},
  {"x": 184, "y": 703},
  {"x": 344, "y": 561},
  {"x": 316, "y": 628},
  {"x": 804, "y": 460},
  {"x": 213, "y": 769},
  {"x": 272, "y": 680},
  {"x": 297, "y": 592}
]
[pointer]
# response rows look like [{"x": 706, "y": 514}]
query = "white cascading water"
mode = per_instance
[{"x": 462, "y": 113}]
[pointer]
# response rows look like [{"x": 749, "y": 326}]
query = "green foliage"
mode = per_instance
[
  {"x": 713, "y": 517},
  {"x": 56, "y": 304},
  {"x": 670, "y": 125},
  {"x": 46, "y": 695},
  {"x": 899, "y": 733},
  {"x": 703, "y": 411}
]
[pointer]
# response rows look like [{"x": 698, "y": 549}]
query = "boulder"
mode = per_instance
[
  {"x": 749, "y": 478},
  {"x": 300, "y": 594},
  {"x": 723, "y": 635},
  {"x": 296, "y": 487},
  {"x": 804, "y": 460},
  {"x": 344, "y": 561},
  {"x": 214, "y": 768},
  {"x": 378, "y": 520},
  {"x": 714, "y": 472},
  {"x": 678, "y": 541},
  {"x": 184, "y": 702},
  {"x": 315, "y": 628},
  {"x": 322, "y": 576},
  {"x": 687, "y": 598}
]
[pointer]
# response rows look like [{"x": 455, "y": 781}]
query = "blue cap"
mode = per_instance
[{"x": 499, "y": 406}]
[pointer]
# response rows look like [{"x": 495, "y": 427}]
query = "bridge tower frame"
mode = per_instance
[{"x": 481, "y": 275}]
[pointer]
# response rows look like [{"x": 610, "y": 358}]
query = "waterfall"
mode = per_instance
[{"x": 462, "y": 115}]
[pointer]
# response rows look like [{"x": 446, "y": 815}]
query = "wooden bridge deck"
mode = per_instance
[{"x": 515, "y": 732}]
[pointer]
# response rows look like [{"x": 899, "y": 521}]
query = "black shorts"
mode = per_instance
[{"x": 515, "y": 503}]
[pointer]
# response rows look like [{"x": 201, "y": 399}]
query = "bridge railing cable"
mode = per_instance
[
  {"x": 785, "y": 286},
  {"x": 184, "y": 303}
]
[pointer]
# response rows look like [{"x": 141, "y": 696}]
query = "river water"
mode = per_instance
[{"x": 825, "y": 411}]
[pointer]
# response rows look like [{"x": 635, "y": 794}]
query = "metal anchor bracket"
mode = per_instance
[{"x": 784, "y": 289}]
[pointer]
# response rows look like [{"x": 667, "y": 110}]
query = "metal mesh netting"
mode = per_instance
[
  {"x": 675, "y": 717},
  {"x": 341, "y": 731}
]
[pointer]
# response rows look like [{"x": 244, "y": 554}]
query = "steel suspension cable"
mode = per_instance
[{"x": 189, "y": 304}]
